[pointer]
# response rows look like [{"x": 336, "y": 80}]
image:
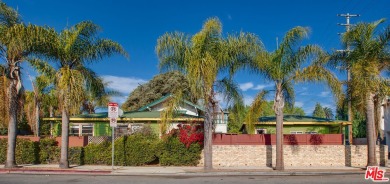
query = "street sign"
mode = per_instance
[
  {"x": 113, "y": 122},
  {"x": 113, "y": 113},
  {"x": 113, "y": 110}
]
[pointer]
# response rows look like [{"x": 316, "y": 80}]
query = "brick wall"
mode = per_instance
[{"x": 294, "y": 155}]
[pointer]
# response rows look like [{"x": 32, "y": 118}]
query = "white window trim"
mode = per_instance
[{"x": 296, "y": 132}]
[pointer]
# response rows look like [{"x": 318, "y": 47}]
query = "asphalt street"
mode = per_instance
[{"x": 104, "y": 179}]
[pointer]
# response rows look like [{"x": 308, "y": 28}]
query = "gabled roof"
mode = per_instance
[
  {"x": 300, "y": 120},
  {"x": 164, "y": 98},
  {"x": 127, "y": 116},
  {"x": 295, "y": 118}
]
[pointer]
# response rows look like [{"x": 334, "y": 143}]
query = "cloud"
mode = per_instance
[
  {"x": 248, "y": 99},
  {"x": 299, "y": 104},
  {"x": 246, "y": 86},
  {"x": 324, "y": 94},
  {"x": 123, "y": 85},
  {"x": 304, "y": 94},
  {"x": 261, "y": 87}
]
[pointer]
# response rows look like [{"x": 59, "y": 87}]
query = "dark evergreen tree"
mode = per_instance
[{"x": 159, "y": 86}]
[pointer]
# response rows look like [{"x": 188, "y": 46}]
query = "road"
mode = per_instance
[{"x": 101, "y": 179}]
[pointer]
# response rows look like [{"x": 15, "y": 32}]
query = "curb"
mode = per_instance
[
  {"x": 52, "y": 171},
  {"x": 190, "y": 174}
]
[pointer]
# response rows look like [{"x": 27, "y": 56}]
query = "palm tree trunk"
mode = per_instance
[
  {"x": 279, "y": 128},
  {"x": 378, "y": 117},
  {"x": 37, "y": 117},
  {"x": 370, "y": 117},
  {"x": 64, "y": 162},
  {"x": 12, "y": 128},
  {"x": 51, "y": 114},
  {"x": 208, "y": 136}
]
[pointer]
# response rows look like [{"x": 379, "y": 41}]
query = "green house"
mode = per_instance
[
  {"x": 294, "y": 124},
  {"x": 149, "y": 115}
]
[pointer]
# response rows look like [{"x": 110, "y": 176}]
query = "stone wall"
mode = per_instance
[{"x": 297, "y": 155}]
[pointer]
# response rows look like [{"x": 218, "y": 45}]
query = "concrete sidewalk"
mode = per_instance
[{"x": 181, "y": 171}]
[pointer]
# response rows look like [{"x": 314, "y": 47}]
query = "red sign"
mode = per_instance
[{"x": 376, "y": 174}]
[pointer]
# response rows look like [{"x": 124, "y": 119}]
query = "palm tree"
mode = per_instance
[
  {"x": 18, "y": 42},
  {"x": 328, "y": 113},
  {"x": 74, "y": 48},
  {"x": 368, "y": 58},
  {"x": 34, "y": 101},
  {"x": 319, "y": 111},
  {"x": 93, "y": 99},
  {"x": 284, "y": 67},
  {"x": 201, "y": 57}
]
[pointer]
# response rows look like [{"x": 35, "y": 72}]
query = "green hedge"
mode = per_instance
[
  {"x": 3, "y": 151},
  {"x": 27, "y": 152},
  {"x": 174, "y": 153},
  {"x": 133, "y": 150},
  {"x": 99, "y": 154},
  {"x": 49, "y": 151}
]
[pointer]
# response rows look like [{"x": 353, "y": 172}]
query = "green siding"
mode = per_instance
[
  {"x": 102, "y": 129},
  {"x": 155, "y": 127},
  {"x": 57, "y": 129},
  {"x": 303, "y": 128}
]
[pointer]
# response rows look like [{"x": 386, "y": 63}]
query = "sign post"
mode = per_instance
[{"x": 113, "y": 111}]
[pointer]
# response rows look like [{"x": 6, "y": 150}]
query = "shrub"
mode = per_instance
[
  {"x": 135, "y": 150},
  {"x": 174, "y": 152},
  {"x": 3, "y": 151},
  {"x": 76, "y": 155},
  {"x": 98, "y": 154},
  {"x": 49, "y": 152},
  {"x": 189, "y": 134},
  {"x": 27, "y": 152}
]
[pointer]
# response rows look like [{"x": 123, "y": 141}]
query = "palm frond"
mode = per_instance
[
  {"x": 103, "y": 48},
  {"x": 230, "y": 91},
  {"x": 171, "y": 50},
  {"x": 42, "y": 67},
  {"x": 318, "y": 73},
  {"x": 292, "y": 39},
  {"x": 299, "y": 57},
  {"x": 255, "y": 111},
  {"x": 288, "y": 93},
  {"x": 8, "y": 15},
  {"x": 239, "y": 51}
]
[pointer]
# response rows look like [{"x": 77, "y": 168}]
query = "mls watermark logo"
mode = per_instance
[{"x": 376, "y": 174}]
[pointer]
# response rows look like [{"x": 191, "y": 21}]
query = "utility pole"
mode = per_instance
[{"x": 348, "y": 27}]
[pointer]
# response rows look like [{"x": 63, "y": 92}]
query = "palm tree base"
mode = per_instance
[
  {"x": 207, "y": 168},
  {"x": 279, "y": 168},
  {"x": 64, "y": 165},
  {"x": 10, "y": 165},
  {"x": 372, "y": 164}
]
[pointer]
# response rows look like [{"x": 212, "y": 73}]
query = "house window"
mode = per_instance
[
  {"x": 261, "y": 131},
  {"x": 311, "y": 132},
  {"x": 296, "y": 132},
  {"x": 122, "y": 130},
  {"x": 74, "y": 130},
  {"x": 87, "y": 130}
]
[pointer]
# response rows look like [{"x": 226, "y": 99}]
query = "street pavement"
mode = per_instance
[
  {"x": 178, "y": 179},
  {"x": 181, "y": 171}
]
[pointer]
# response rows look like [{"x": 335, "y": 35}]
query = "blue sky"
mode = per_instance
[{"x": 137, "y": 25}]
